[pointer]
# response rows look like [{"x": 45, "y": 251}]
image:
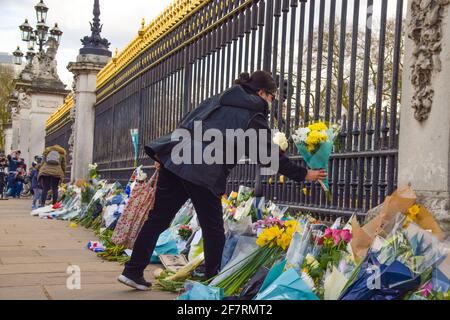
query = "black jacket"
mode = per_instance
[{"x": 234, "y": 109}]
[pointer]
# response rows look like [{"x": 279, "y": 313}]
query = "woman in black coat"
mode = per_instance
[{"x": 244, "y": 106}]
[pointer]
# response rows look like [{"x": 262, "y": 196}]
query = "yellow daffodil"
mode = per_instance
[
  {"x": 318, "y": 126},
  {"x": 234, "y": 195},
  {"x": 411, "y": 215},
  {"x": 268, "y": 235},
  {"x": 284, "y": 241},
  {"x": 305, "y": 191},
  {"x": 414, "y": 211},
  {"x": 291, "y": 226}
]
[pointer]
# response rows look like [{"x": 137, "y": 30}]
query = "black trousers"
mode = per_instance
[
  {"x": 2, "y": 186},
  {"x": 171, "y": 193},
  {"x": 48, "y": 183}
]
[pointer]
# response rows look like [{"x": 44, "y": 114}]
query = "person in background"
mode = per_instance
[
  {"x": 52, "y": 171},
  {"x": 35, "y": 186},
  {"x": 20, "y": 180},
  {"x": 21, "y": 164},
  {"x": 3, "y": 177},
  {"x": 13, "y": 163}
]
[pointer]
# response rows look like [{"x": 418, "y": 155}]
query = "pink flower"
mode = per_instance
[
  {"x": 337, "y": 238},
  {"x": 336, "y": 234},
  {"x": 427, "y": 289},
  {"x": 346, "y": 235},
  {"x": 328, "y": 233}
]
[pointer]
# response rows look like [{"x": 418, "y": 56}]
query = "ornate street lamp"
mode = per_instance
[
  {"x": 56, "y": 33},
  {"x": 30, "y": 55},
  {"x": 26, "y": 30},
  {"x": 32, "y": 42},
  {"x": 41, "y": 11},
  {"x": 39, "y": 35},
  {"x": 42, "y": 32},
  {"x": 18, "y": 56}
]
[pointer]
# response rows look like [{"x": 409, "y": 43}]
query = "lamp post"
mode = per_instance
[
  {"x": 39, "y": 34},
  {"x": 18, "y": 56}
]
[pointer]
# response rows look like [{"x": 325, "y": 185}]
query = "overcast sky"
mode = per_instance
[{"x": 121, "y": 20}]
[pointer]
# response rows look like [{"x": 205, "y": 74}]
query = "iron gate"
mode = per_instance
[{"x": 337, "y": 60}]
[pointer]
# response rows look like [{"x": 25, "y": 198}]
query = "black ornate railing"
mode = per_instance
[{"x": 338, "y": 61}]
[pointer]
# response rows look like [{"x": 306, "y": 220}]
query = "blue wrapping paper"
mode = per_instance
[
  {"x": 396, "y": 280},
  {"x": 320, "y": 159},
  {"x": 273, "y": 274},
  {"x": 166, "y": 244},
  {"x": 288, "y": 286},
  {"x": 198, "y": 291}
]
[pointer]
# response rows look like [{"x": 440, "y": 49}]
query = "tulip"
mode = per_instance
[
  {"x": 346, "y": 235},
  {"x": 337, "y": 238},
  {"x": 328, "y": 233}
]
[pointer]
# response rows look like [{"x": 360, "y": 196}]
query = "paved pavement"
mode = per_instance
[{"x": 35, "y": 255}]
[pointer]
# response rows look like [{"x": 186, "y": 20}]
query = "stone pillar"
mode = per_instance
[
  {"x": 24, "y": 134},
  {"x": 15, "y": 130},
  {"x": 8, "y": 137},
  {"x": 42, "y": 106},
  {"x": 85, "y": 76},
  {"x": 424, "y": 150}
]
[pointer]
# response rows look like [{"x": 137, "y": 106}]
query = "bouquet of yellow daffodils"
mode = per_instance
[
  {"x": 315, "y": 144},
  {"x": 272, "y": 243}
]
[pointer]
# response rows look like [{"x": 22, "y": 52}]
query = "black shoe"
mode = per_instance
[{"x": 136, "y": 283}]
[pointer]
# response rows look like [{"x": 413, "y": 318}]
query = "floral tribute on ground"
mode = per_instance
[{"x": 399, "y": 253}]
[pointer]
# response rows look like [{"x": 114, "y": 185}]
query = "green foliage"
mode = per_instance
[{"x": 6, "y": 88}]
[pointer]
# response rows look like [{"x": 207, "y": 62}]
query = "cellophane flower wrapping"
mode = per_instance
[
  {"x": 396, "y": 265},
  {"x": 320, "y": 158}
]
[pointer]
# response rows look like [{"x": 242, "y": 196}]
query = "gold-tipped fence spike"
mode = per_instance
[{"x": 157, "y": 28}]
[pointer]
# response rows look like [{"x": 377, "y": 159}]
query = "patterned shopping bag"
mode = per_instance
[{"x": 136, "y": 212}]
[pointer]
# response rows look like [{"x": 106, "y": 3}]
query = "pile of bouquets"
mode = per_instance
[
  {"x": 397, "y": 252},
  {"x": 396, "y": 265}
]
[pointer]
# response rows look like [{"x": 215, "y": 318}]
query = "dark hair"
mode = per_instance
[{"x": 259, "y": 80}]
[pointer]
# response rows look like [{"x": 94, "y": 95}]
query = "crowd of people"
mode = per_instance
[{"x": 46, "y": 173}]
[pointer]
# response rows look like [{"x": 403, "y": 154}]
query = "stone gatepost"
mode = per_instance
[
  {"x": 92, "y": 58},
  {"x": 85, "y": 77},
  {"x": 8, "y": 138},
  {"x": 424, "y": 150}
]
